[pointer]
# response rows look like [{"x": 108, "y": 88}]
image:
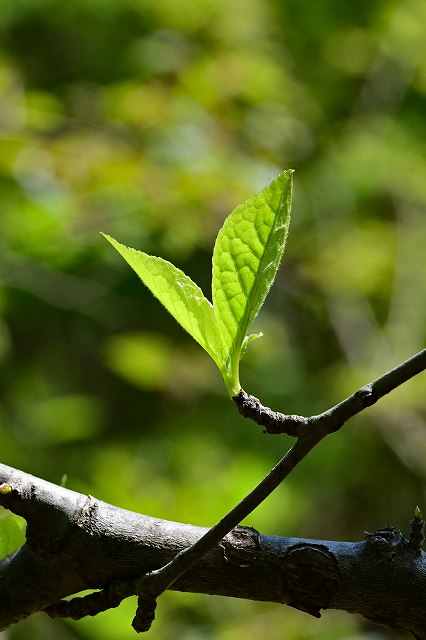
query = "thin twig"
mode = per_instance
[{"x": 334, "y": 418}]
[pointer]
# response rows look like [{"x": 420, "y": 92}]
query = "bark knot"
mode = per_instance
[
  {"x": 241, "y": 546},
  {"x": 386, "y": 541},
  {"x": 311, "y": 577}
]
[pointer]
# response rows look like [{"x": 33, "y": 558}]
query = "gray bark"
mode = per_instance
[{"x": 75, "y": 542}]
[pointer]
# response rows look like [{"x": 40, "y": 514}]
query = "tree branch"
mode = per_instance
[
  {"x": 334, "y": 418},
  {"x": 309, "y": 431},
  {"x": 76, "y": 542}
]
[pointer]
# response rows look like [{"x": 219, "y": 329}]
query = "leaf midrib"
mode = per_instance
[{"x": 253, "y": 291}]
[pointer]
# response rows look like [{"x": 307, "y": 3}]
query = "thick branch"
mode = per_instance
[{"x": 76, "y": 542}]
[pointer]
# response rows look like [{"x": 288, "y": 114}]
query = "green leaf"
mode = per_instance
[
  {"x": 247, "y": 340},
  {"x": 12, "y": 532},
  {"x": 246, "y": 257},
  {"x": 180, "y": 296}
]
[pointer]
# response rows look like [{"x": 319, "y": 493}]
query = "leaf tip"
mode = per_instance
[{"x": 107, "y": 237}]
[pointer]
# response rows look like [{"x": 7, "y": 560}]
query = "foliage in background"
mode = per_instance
[{"x": 151, "y": 120}]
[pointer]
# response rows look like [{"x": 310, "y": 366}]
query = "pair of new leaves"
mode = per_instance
[{"x": 246, "y": 257}]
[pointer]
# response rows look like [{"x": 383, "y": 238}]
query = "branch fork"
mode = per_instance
[{"x": 308, "y": 431}]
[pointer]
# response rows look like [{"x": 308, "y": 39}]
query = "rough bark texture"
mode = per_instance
[{"x": 76, "y": 542}]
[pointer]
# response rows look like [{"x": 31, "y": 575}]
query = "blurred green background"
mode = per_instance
[{"x": 150, "y": 120}]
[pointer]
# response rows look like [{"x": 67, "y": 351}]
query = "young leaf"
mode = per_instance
[
  {"x": 247, "y": 340},
  {"x": 180, "y": 295},
  {"x": 246, "y": 257}
]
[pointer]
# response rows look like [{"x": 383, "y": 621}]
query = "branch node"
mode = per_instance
[
  {"x": 386, "y": 541},
  {"x": 273, "y": 421},
  {"x": 145, "y": 613},
  {"x": 417, "y": 531},
  {"x": 367, "y": 395},
  {"x": 311, "y": 576},
  {"x": 241, "y": 546}
]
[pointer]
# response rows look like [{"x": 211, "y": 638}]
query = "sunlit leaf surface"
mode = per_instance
[
  {"x": 182, "y": 298},
  {"x": 246, "y": 257}
]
